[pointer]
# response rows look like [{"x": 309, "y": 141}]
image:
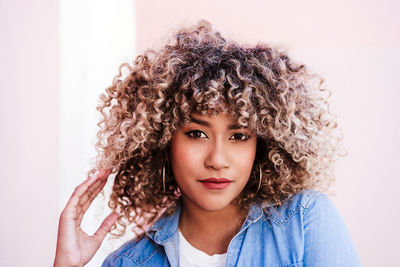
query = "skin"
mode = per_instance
[
  {"x": 211, "y": 147},
  {"x": 75, "y": 247},
  {"x": 206, "y": 147}
]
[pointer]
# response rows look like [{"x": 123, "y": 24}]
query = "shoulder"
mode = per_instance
[
  {"x": 135, "y": 252},
  {"x": 301, "y": 205},
  {"x": 311, "y": 225}
]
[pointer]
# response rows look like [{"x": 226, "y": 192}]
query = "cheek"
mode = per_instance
[
  {"x": 182, "y": 154},
  {"x": 244, "y": 159},
  {"x": 184, "y": 158}
]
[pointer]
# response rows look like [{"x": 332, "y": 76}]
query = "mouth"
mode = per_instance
[{"x": 215, "y": 183}]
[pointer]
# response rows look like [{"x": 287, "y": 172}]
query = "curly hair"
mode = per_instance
[{"x": 199, "y": 71}]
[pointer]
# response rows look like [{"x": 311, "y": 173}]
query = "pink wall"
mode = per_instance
[
  {"x": 29, "y": 86},
  {"x": 356, "y": 46},
  {"x": 298, "y": 24}
]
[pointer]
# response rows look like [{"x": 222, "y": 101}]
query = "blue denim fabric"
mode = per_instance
[{"x": 305, "y": 231}]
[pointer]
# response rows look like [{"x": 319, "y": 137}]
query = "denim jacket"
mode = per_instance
[{"x": 305, "y": 231}]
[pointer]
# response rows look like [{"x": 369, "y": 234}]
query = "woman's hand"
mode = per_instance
[{"x": 75, "y": 247}]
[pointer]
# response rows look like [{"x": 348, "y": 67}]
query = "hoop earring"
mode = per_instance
[
  {"x": 163, "y": 177},
  {"x": 260, "y": 178}
]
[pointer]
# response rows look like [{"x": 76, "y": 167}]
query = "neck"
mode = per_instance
[{"x": 210, "y": 231}]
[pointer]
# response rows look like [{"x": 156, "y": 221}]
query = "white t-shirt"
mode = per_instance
[{"x": 190, "y": 256}]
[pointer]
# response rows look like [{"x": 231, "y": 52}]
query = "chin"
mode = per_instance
[{"x": 213, "y": 205}]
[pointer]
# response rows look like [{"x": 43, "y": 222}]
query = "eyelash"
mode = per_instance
[{"x": 190, "y": 135}]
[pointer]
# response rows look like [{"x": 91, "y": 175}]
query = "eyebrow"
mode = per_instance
[{"x": 207, "y": 124}]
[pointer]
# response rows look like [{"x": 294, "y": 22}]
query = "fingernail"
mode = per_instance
[{"x": 93, "y": 175}]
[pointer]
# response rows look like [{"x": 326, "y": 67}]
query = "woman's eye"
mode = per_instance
[
  {"x": 240, "y": 137},
  {"x": 196, "y": 134}
]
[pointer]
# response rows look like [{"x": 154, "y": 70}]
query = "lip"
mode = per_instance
[{"x": 215, "y": 183}]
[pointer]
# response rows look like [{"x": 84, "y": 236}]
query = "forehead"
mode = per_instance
[
  {"x": 207, "y": 119},
  {"x": 221, "y": 119}
]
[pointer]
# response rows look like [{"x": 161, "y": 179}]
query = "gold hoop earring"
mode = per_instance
[
  {"x": 260, "y": 178},
  {"x": 163, "y": 177}
]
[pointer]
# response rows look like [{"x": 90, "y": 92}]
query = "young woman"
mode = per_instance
[{"x": 221, "y": 153}]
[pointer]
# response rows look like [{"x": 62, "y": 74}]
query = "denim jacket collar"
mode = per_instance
[
  {"x": 165, "y": 227},
  {"x": 293, "y": 234}
]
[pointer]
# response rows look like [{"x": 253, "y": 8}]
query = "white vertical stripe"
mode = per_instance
[{"x": 96, "y": 37}]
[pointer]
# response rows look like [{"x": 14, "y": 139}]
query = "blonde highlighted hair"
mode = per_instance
[{"x": 199, "y": 71}]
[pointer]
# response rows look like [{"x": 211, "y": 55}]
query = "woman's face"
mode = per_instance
[{"x": 211, "y": 159}]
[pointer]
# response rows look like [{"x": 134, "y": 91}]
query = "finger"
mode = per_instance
[
  {"x": 83, "y": 207},
  {"x": 105, "y": 227},
  {"x": 81, "y": 189},
  {"x": 92, "y": 192},
  {"x": 87, "y": 198},
  {"x": 104, "y": 173},
  {"x": 91, "y": 181}
]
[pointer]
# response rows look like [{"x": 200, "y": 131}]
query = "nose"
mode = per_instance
[{"x": 217, "y": 157}]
